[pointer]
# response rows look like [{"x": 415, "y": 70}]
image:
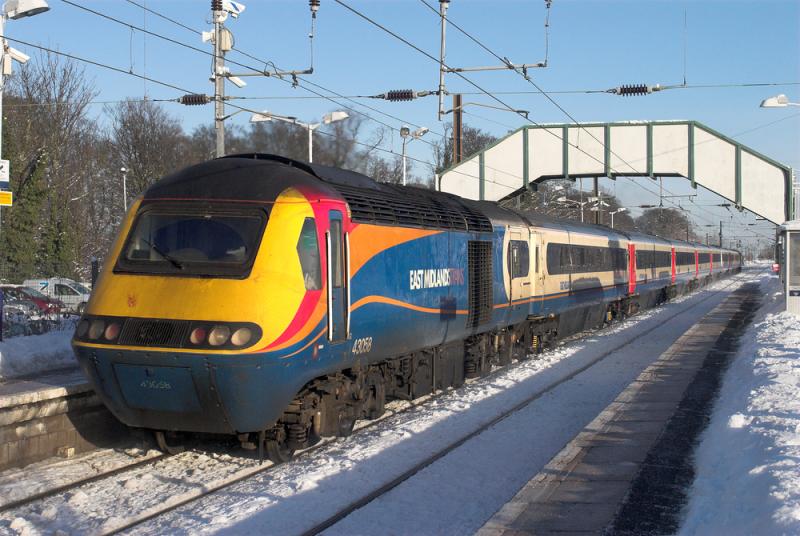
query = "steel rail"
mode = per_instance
[{"x": 385, "y": 488}]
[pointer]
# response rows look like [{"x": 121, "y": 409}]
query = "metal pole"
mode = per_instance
[
  {"x": 310, "y": 143},
  {"x": 219, "y": 80},
  {"x": 612, "y": 219},
  {"x": 443, "y": 13},
  {"x": 599, "y": 200},
  {"x": 124, "y": 192},
  {"x": 720, "y": 234},
  {"x": 404, "y": 160},
  {"x": 2, "y": 86}
]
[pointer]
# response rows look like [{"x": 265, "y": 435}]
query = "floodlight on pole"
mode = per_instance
[
  {"x": 405, "y": 133},
  {"x": 19, "y": 9},
  {"x": 778, "y": 101},
  {"x": 618, "y": 211}
]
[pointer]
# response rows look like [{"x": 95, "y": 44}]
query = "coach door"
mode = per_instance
[
  {"x": 519, "y": 262},
  {"x": 338, "y": 260}
]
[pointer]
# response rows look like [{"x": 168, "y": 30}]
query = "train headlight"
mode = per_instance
[
  {"x": 241, "y": 336},
  {"x": 111, "y": 332},
  {"x": 83, "y": 327},
  {"x": 198, "y": 336},
  {"x": 219, "y": 335},
  {"x": 96, "y": 328}
]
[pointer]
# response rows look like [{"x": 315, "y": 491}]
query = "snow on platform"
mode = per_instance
[
  {"x": 33, "y": 354},
  {"x": 581, "y": 489},
  {"x": 748, "y": 463}
]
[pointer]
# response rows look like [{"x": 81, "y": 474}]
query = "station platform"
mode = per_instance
[
  {"x": 586, "y": 487},
  {"x": 53, "y": 414}
]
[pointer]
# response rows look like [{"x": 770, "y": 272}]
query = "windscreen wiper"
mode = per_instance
[{"x": 172, "y": 260}]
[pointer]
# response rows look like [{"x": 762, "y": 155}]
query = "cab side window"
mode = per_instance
[
  {"x": 308, "y": 251},
  {"x": 519, "y": 258}
]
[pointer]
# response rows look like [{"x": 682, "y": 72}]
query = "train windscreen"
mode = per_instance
[{"x": 193, "y": 241}]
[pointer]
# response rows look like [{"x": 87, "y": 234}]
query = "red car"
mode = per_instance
[{"x": 46, "y": 305}]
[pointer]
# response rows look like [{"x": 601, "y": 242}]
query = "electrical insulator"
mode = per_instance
[
  {"x": 400, "y": 95},
  {"x": 194, "y": 99},
  {"x": 314, "y": 5},
  {"x": 632, "y": 90},
  {"x": 216, "y": 5}
]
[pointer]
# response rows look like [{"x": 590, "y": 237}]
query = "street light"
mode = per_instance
[
  {"x": 405, "y": 133},
  {"x": 327, "y": 119},
  {"x": 778, "y": 101},
  {"x": 619, "y": 210},
  {"x": 124, "y": 172}
]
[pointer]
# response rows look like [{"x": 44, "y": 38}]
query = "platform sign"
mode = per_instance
[{"x": 6, "y": 199}]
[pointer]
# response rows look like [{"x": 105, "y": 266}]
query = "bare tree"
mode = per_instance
[
  {"x": 47, "y": 132},
  {"x": 473, "y": 140},
  {"x": 668, "y": 223},
  {"x": 148, "y": 142}
]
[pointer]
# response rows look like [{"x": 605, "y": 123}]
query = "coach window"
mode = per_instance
[
  {"x": 520, "y": 258},
  {"x": 308, "y": 251}
]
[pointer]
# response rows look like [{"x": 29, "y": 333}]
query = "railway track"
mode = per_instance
[
  {"x": 251, "y": 471},
  {"x": 18, "y": 503}
]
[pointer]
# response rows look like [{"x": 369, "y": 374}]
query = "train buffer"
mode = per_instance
[{"x": 618, "y": 474}]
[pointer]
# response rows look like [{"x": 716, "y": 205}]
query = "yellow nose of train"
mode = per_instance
[{"x": 214, "y": 280}]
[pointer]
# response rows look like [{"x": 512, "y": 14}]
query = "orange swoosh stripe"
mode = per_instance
[
  {"x": 322, "y": 332},
  {"x": 390, "y": 301},
  {"x": 366, "y": 241}
]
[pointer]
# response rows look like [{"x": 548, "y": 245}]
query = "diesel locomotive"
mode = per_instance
[{"x": 281, "y": 301}]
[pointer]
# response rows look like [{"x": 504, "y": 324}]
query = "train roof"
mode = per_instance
[
  {"x": 229, "y": 178},
  {"x": 256, "y": 176}
]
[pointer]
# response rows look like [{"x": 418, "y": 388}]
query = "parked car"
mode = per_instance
[
  {"x": 73, "y": 294},
  {"x": 44, "y": 304}
]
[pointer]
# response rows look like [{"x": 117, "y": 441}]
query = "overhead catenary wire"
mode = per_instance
[
  {"x": 525, "y": 76},
  {"x": 144, "y": 77},
  {"x": 539, "y": 91},
  {"x": 500, "y": 101}
]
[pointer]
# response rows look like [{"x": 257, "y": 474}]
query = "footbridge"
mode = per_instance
[{"x": 688, "y": 149}]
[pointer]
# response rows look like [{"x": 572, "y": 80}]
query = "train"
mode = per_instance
[{"x": 280, "y": 301}]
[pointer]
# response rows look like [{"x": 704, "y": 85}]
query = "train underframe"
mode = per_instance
[{"x": 329, "y": 406}]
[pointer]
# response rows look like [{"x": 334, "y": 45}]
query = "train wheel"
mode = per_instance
[
  {"x": 376, "y": 402},
  {"x": 164, "y": 446},
  {"x": 278, "y": 452}
]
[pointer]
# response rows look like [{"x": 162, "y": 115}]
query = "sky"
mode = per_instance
[{"x": 592, "y": 45}]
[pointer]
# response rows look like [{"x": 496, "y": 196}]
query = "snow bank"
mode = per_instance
[
  {"x": 20, "y": 356},
  {"x": 748, "y": 463}
]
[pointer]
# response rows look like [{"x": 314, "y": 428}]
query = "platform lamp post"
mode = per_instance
[
  {"x": 327, "y": 119},
  {"x": 618, "y": 211},
  {"x": 124, "y": 172},
  {"x": 406, "y": 133}
]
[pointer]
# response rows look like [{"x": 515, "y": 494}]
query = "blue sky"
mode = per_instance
[{"x": 593, "y": 45}]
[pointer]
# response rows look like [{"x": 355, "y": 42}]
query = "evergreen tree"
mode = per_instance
[{"x": 21, "y": 222}]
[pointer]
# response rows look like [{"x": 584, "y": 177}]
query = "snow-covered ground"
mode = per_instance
[
  {"x": 31, "y": 354},
  {"x": 454, "y": 495},
  {"x": 748, "y": 463}
]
